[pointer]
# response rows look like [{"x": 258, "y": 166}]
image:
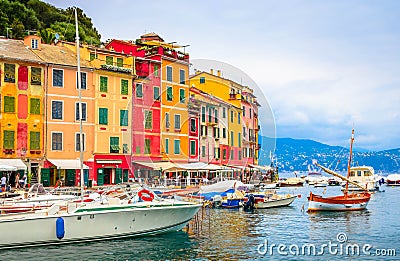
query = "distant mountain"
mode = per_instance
[{"x": 297, "y": 155}]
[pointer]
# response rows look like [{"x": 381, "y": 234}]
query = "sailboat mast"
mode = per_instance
[
  {"x": 80, "y": 104},
  {"x": 350, "y": 158}
]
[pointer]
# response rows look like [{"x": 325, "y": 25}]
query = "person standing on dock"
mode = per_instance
[
  {"x": 17, "y": 181},
  {"x": 3, "y": 183}
]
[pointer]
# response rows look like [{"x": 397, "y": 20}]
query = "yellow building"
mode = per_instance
[
  {"x": 22, "y": 88},
  {"x": 113, "y": 79},
  {"x": 241, "y": 151}
]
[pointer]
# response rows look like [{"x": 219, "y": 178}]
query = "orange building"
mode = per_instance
[
  {"x": 174, "y": 96},
  {"x": 61, "y": 115}
]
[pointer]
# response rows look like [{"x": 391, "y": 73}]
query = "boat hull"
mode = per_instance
[
  {"x": 393, "y": 182},
  {"x": 351, "y": 202},
  {"x": 262, "y": 204},
  {"x": 94, "y": 225}
]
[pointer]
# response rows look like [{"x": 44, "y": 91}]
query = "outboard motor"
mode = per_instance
[{"x": 249, "y": 205}]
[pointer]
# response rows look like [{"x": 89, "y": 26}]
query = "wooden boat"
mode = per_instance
[{"x": 347, "y": 201}]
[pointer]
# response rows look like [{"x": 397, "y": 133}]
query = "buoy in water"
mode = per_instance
[{"x": 60, "y": 228}]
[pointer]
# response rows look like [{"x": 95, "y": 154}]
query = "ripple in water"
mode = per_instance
[{"x": 235, "y": 234}]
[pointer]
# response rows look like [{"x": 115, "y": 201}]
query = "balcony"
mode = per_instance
[
  {"x": 176, "y": 54},
  {"x": 232, "y": 96},
  {"x": 114, "y": 68},
  {"x": 8, "y": 151}
]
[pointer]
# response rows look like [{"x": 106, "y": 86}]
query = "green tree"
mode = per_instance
[
  {"x": 37, "y": 15},
  {"x": 18, "y": 29},
  {"x": 4, "y": 22},
  {"x": 47, "y": 35},
  {"x": 67, "y": 31}
]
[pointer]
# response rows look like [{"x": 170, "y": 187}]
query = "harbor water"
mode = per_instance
[{"x": 286, "y": 233}]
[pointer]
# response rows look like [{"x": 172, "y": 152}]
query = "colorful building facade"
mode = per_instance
[
  {"x": 174, "y": 95},
  {"x": 61, "y": 115},
  {"x": 241, "y": 119},
  {"x": 22, "y": 89},
  {"x": 137, "y": 109},
  {"x": 113, "y": 77}
]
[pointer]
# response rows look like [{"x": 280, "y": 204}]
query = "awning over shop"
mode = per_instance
[
  {"x": 156, "y": 165},
  {"x": 199, "y": 166},
  {"x": 266, "y": 168},
  {"x": 108, "y": 161},
  {"x": 18, "y": 163},
  {"x": 67, "y": 163}
]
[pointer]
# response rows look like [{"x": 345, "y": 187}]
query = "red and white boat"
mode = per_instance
[
  {"x": 347, "y": 201},
  {"x": 393, "y": 180}
]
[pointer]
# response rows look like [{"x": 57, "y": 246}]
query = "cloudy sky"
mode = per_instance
[{"x": 323, "y": 66}]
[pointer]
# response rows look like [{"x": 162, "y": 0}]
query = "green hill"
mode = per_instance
[{"x": 19, "y": 18}]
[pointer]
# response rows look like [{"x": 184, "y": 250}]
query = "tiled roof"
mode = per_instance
[
  {"x": 15, "y": 49},
  {"x": 59, "y": 55}
]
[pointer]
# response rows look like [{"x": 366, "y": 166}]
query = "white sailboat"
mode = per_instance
[{"x": 137, "y": 213}]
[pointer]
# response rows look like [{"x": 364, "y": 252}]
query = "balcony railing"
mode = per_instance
[{"x": 116, "y": 68}]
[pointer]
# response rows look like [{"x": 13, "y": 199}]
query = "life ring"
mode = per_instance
[{"x": 146, "y": 195}]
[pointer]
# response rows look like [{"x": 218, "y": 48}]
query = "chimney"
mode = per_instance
[
  {"x": 212, "y": 71},
  {"x": 33, "y": 42},
  {"x": 219, "y": 73}
]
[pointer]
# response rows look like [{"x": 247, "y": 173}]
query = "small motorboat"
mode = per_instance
[
  {"x": 267, "y": 199},
  {"x": 393, "y": 180},
  {"x": 291, "y": 182}
]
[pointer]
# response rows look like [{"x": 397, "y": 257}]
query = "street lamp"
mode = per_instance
[
  {"x": 172, "y": 44},
  {"x": 184, "y": 46},
  {"x": 8, "y": 28}
]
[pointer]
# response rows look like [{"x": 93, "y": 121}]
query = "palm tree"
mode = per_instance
[{"x": 47, "y": 35}]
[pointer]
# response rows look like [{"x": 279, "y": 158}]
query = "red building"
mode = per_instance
[{"x": 146, "y": 102}]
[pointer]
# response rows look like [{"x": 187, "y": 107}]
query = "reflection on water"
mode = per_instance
[{"x": 235, "y": 234}]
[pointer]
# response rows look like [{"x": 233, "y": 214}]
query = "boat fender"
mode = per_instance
[
  {"x": 146, "y": 195},
  {"x": 60, "y": 228}
]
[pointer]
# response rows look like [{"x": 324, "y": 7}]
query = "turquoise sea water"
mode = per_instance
[{"x": 238, "y": 235}]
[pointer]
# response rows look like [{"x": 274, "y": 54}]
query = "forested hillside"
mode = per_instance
[
  {"x": 297, "y": 155},
  {"x": 21, "y": 17}
]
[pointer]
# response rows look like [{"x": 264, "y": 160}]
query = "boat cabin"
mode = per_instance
[{"x": 361, "y": 171}]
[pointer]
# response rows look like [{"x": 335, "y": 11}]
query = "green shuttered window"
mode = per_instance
[
  {"x": 34, "y": 107},
  {"x": 114, "y": 145},
  {"x": 148, "y": 117},
  {"x": 8, "y": 139},
  {"x": 103, "y": 84},
  {"x": 103, "y": 116},
  {"x": 123, "y": 118},
  {"x": 34, "y": 138},
  {"x": 124, "y": 87},
  {"x": 9, "y": 104}
]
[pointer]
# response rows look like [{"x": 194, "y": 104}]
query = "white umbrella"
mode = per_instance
[{"x": 7, "y": 168}]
